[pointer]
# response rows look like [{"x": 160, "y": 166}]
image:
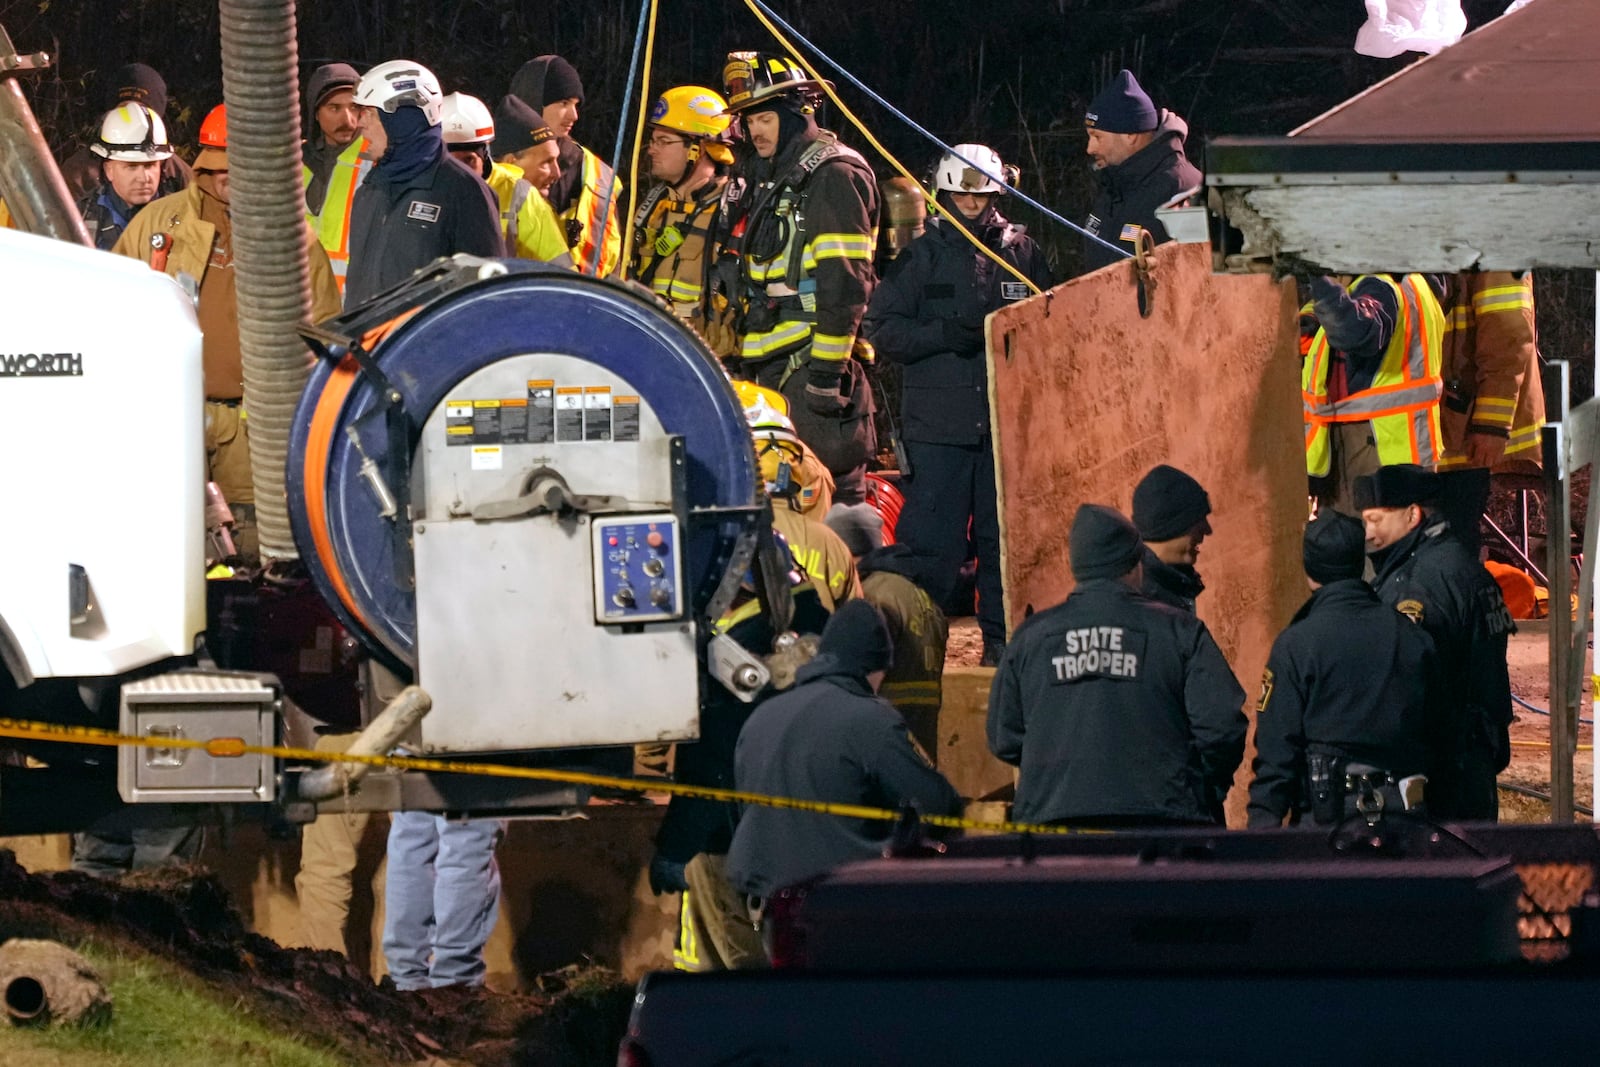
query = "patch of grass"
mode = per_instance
[{"x": 161, "y": 1015}]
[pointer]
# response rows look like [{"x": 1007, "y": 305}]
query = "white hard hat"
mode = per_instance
[
  {"x": 466, "y": 120},
  {"x": 132, "y": 133},
  {"x": 401, "y": 83},
  {"x": 955, "y": 175}
]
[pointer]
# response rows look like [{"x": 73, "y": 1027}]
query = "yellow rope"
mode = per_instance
[
  {"x": 638, "y": 142},
  {"x": 933, "y": 201}
]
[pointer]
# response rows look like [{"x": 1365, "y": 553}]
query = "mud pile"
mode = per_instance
[{"x": 183, "y": 915}]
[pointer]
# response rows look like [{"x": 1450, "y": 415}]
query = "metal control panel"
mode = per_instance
[{"x": 638, "y": 569}]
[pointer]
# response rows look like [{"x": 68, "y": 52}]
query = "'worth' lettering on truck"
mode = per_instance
[{"x": 41, "y": 365}]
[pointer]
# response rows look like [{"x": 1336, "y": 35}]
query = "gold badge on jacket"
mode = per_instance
[
  {"x": 1266, "y": 691},
  {"x": 1411, "y": 609}
]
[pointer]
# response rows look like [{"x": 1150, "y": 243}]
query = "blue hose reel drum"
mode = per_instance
[{"x": 350, "y": 546}]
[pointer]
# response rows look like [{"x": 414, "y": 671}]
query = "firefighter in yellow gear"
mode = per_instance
[
  {"x": 802, "y": 495},
  {"x": 675, "y": 227},
  {"x": 1493, "y": 409}
]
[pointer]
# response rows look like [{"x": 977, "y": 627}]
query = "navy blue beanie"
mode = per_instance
[{"x": 1121, "y": 107}]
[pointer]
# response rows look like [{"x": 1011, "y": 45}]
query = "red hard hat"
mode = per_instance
[{"x": 214, "y": 130}]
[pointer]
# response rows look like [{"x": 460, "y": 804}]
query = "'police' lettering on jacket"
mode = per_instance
[{"x": 1099, "y": 652}]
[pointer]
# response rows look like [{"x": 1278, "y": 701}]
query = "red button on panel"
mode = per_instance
[{"x": 655, "y": 540}]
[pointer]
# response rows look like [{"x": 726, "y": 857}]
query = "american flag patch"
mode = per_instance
[{"x": 1131, "y": 231}]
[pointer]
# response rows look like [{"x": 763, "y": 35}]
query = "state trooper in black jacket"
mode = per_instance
[
  {"x": 1139, "y": 166},
  {"x": 1171, "y": 508},
  {"x": 1349, "y": 682},
  {"x": 1430, "y": 577},
  {"x": 1118, "y": 710},
  {"x": 927, "y": 314}
]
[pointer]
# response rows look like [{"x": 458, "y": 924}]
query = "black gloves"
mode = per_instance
[
  {"x": 962, "y": 336},
  {"x": 667, "y": 876},
  {"x": 1324, "y": 288},
  {"x": 823, "y": 380}
]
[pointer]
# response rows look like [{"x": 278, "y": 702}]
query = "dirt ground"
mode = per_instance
[
  {"x": 1529, "y": 660},
  {"x": 184, "y": 916}
]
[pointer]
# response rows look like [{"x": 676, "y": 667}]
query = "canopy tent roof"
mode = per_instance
[{"x": 1487, "y": 155}]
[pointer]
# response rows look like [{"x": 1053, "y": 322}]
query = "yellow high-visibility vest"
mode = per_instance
[
  {"x": 331, "y": 221},
  {"x": 1402, "y": 403}
]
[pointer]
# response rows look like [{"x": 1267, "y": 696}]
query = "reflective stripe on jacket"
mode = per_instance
[
  {"x": 1402, "y": 403},
  {"x": 821, "y": 299},
  {"x": 331, "y": 220},
  {"x": 587, "y": 209},
  {"x": 1491, "y": 365},
  {"x": 676, "y": 269},
  {"x": 529, "y": 223}
]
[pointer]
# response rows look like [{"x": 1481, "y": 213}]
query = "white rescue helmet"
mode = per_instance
[
  {"x": 466, "y": 120},
  {"x": 401, "y": 83},
  {"x": 132, "y": 133},
  {"x": 956, "y": 175}
]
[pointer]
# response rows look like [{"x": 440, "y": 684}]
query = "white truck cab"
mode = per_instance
[{"x": 102, "y": 480}]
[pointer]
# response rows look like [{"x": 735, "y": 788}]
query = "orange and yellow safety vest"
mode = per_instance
[
  {"x": 332, "y": 220},
  {"x": 1401, "y": 404}
]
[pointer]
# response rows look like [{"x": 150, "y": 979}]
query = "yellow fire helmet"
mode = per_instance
[
  {"x": 693, "y": 110},
  {"x": 789, "y": 468},
  {"x": 700, "y": 114}
]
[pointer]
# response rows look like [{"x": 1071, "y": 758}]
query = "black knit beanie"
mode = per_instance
[
  {"x": 139, "y": 83},
  {"x": 1335, "y": 548},
  {"x": 546, "y": 79},
  {"x": 1102, "y": 543},
  {"x": 1167, "y": 502},
  {"x": 856, "y": 640},
  {"x": 517, "y": 127}
]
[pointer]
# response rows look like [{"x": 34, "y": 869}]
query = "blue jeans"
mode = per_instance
[{"x": 441, "y": 899}]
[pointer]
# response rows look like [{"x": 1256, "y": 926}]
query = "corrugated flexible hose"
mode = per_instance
[{"x": 260, "y": 83}]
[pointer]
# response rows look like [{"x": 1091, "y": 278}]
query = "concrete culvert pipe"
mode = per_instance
[
  {"x": 46, "y": 982},
  {"x": 25, "y": 1001},
  {"x": 261, "y": 86}
]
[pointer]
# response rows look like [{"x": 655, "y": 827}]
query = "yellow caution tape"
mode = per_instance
[
  {"x": 232, "y": 747},
  {"x": 1546, "y": 744}
]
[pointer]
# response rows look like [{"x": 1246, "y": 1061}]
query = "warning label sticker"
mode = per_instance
[
  {"x": 486, "y": 457},
  {"x": 485, "y": 422},
  {"x": 597, "y": 413},
  {"x": 458, "y": 421},
  {"x": 569, "y": 413},
  {"x": 548, "y": 413},
  {"x": 625, "y": 418},
  {"x": 541, "y": 412}
]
